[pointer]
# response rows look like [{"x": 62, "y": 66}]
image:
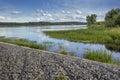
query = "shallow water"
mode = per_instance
[{"x": 36, "y": 33}]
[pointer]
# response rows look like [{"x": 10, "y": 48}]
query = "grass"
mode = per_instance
[
  {"x": 94, "y": 34},
  {"x": 92, "y": 55},
  {"x": 63, "y": 52},
  {"x": 101, "y": 56},
  {"x": 88, "y": 35},
  {"x": 23, "y": 42},
  {"x": 61, "y": 77}
]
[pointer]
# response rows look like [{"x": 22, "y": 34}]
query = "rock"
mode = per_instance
[{"x": 21, "y": 63}]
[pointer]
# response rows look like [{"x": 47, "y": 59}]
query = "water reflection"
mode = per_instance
[{"x": 54, "y": 45}]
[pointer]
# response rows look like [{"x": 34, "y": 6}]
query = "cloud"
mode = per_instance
[
  {"x": 101, "y": 14},
  {"x": 71, "y": 6},
  {"x": 78, "y": 12},
  {"x": 51, "y": 19},
  {"x": 66, "y": 12},
  {"x": 38, "y": 19},
  {"x": 39, "y": 11},
  {"x": 63, "y": 11},
  {"x": 79, "y": 17},
  {"x": 16, "y": 12},
  {"x": 100, "y": 18},
  {"x": 2, "y": 18},
  {"x": 47, "y": 14},
  {"x": 62, "y": 19},
  {"x": 43, "y": 13}
]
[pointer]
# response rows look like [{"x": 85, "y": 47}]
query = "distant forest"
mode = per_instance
[{"x": 40, "y": 23}]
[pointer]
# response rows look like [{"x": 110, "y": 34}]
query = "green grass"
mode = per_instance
[
  {"x": 23, "y": 42},
  {"x": 94, "y": 34},
  {"x": 101, "y": 56},
  {"x": 87, "y": 35},
  {"x": 61, "y": 77},
  {"x": 63, "y": 52}
]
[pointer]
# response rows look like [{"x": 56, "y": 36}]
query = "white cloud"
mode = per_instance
[
  {"x": 51, "y": 19},
  {"x": 62, "y": 19},
  {"x": 39, "y": 11},
  {"x": 63, "y": 11},
  {"x": 41, "y": 15},
  {"x": 2, "y": 17},
  {"x": 38, "y": 19},
  {"x": 47, "y": 14},
  {"x": 78, "y": 12},
  {"x": 79, "y": 16},
  {"x": 72, "y": 6},
  {"x": 16, "y": 12},
  {"x": 66, "y": 12},
  {"x": 100, "y": 18}
]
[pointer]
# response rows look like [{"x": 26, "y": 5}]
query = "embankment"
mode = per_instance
[{"x": 20, "y": 63}]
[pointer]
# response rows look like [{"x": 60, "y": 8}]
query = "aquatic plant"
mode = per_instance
[
  {"x": 101, "y": 56},
  {"x": 94, "y": 34},
  {"x": 72, "y": 54},
  {"x": 64, "y": 52}
]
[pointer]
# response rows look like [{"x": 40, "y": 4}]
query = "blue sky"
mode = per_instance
[{"x": 54, "y": 10}]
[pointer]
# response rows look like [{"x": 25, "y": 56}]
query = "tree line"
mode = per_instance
[
  {"x": 112, "y": 18},
  {"x": 40, "y": 23}
]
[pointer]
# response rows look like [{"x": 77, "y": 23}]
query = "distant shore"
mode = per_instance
[{"x": 7, "y": 24}]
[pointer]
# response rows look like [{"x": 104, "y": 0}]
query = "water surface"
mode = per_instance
[{"x": 36, "y": 33}]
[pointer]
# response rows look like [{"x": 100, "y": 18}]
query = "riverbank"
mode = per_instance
[
  {"x": 25, "y": 63},
  {"x": 23, "y": 42},
  {"x": 94, "y": 34},
  {"x": 100, "y": 56}
]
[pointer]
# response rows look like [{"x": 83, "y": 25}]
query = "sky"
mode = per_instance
[{"x": 54, "y": 10}]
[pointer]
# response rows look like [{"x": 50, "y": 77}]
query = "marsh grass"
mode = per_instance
[
  {"x": 63, "y": 52},
  {"x": 23, "y": 42},
  {"x": 91, "y": 34},
  {"x": 48, "y": 44},
  {"x": 101, "y": 56},
  {"x": 94, "y": 34},
  {"x": 72, "y": 54}
]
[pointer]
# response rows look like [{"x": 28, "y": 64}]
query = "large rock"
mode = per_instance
[{"x": 20, "y": 63}]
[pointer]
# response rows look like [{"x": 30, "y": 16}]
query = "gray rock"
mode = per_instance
[{"x": 20, "y": 63}]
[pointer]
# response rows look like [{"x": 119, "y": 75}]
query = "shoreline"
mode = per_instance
[{"x": 15, "y": 60}]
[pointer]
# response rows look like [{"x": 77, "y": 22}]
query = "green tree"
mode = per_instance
[
  {"x": 112, "y": 18},
  {"x": 117, "y": 20},
  {"x": 88, "y": 19},
  {"x": 91, "y": 19}
]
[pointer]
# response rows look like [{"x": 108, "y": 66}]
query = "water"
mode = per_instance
[{"x": 54, "y": 45}]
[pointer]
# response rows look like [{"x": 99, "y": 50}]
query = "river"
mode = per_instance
[{"x": 36, "y": 33}]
